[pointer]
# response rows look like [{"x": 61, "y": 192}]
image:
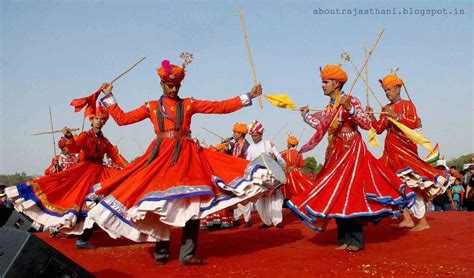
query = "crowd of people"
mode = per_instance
[{"x": 179, "y": 183}]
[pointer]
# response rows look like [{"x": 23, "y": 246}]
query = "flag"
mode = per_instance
[
  {"x": 433, "y": 156},
  {"x": 413, "y": 135},
  {"x": 281, "y": 100},
  {"x": 373, "y": 138}
]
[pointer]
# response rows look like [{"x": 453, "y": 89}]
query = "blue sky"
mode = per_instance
[{"x": 54, "y": 51}]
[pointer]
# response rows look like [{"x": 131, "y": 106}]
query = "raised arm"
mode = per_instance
[
  {"x": 226, "y": 106},
  {"x": 120, "y": 117},
  {"x": 124, "y": 118}
]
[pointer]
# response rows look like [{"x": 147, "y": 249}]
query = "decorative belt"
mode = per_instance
[
  {"x": 347, "y": 135},
  {"x": 173, "y": 134}
]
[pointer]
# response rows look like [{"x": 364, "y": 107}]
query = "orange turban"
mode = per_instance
[
  {"x": 390, "y": 81},
  {"x": 220, "y": 147},
  {"x": 100, "y": 111},
  {"x": 242, "y": 128},
  {"x": 170, "y": 73},
  {"x": 293, "y": 140},
  {"x": 333, "y": 72}
]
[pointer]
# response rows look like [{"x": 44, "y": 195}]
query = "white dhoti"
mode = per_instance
[
  {"x": 419, "y": 208},
  {"x": 269, "y": 208},
  {"x": 243, "y": 210}
]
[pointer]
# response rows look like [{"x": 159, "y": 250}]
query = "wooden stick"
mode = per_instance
[
  {"x": 249, "y": 53},
  {"x": 365, "y": 62},
  {"x": 366, "y": 77},
  {"x": 129, "y": 69},
  {"x": 54, "y": 131},
  {"x": 273, "y": 138},
  {"x": 312, "y": 110},
  {"x": 213, "y": 133},
  {"x": 83, "y": 120},
  {"x": 367, "y": 86},
  {"x": 358, "y": 74},
  {"x": 138, "y": 144},
  {"x": 302, "y": 132},
  {"x": 406, "y": 91}
]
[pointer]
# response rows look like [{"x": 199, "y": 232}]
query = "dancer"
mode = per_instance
[
  {"x": 401, "y": 154},
  {"x": 176, "y": 182},
  {"x": 62, "y": 161},
  {"x": 296, "y": 181},
  {"x": 353, "y": 186},
  {"x": 58, "y": 200}
]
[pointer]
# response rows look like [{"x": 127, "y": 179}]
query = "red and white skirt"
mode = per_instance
[
  {"x": 352, "y": 183},
  {"x": 144, "y": 201},
  {"x": 58, "y": 200}
]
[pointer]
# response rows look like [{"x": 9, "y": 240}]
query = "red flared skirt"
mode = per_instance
[
  {"x": 143, "y": 200},
  {"x": 58, "y": 200},
  {"x": 401, "y": 155},
  {"x": 296, "y": 183},
  {"x": 352, "y": 183}
]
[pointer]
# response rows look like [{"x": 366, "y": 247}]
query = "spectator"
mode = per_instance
[
  {"x": 458, "y": 194},
  {"x": 454, "y": 172},
  {"x": 6, "y": 206},
  {"x": 469, "y": 200},
  {"x": 444, "y": 202}
]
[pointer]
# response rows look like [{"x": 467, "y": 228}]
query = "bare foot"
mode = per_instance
[
  {"x": 405, "y": 224},
  {"x": 353, "y": 248},
  {"x": 419, "y": 227},
  {"x": 422, "y": 225},
  {"x": 341, "y": 247}
]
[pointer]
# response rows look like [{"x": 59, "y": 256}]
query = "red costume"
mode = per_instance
[
  {"x": 58, "y": 200},
  {"x": 401, "y": 154},
  {"x": 175, "y": 180},
  {"x": 62, "y": 161},
  {"x": 352, "y": 182},
  {"x": 296, "y": 180}
]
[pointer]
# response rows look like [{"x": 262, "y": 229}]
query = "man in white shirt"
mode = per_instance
[{"x": 269, "y": 207}]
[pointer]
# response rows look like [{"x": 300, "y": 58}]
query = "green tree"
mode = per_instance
[
  {"x": 15, "y": 179},
  {"x": 460, "y": 161},
  {"x": 311, "y": 166}
]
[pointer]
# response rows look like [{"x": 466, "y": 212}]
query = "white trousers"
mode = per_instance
[
  {"x": 269, "y": 208},
  {"x": 243, "y": 210},
  {"x": 419, "y": 208}
]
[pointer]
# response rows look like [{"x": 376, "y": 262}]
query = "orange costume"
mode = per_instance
[
  {"x": 175, "y": 180},
  {"x": 296, "y": 181},
  {"x": 58, "y": 200},
  {"x": 400, "y": 153}
]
